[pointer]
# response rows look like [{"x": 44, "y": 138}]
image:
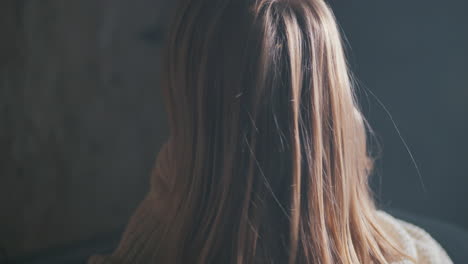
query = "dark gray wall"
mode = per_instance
[
  {"x": 81, "y": 117},
  {"x": 413, "y": 55}
]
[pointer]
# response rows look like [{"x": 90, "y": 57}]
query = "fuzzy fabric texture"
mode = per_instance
[{"x": 415, "y": 242}]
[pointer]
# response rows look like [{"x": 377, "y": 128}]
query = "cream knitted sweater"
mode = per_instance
[{"x": 416, "y": 242}]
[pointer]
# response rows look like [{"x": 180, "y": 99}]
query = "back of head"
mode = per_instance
[{"x": 269, "y": 159}]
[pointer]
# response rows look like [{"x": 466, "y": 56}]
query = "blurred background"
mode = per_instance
[{"x": 81, "y": 114}]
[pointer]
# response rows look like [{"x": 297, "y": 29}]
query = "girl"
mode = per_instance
[{"x": 267, "y": 159}]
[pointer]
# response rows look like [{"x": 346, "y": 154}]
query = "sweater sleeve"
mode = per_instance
[{"x": 140, "y": 237}]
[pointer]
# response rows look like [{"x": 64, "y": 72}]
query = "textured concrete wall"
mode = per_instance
[{"x": 81, "y": 116}]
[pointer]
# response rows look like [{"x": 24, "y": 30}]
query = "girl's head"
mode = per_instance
[{"x": 268, "y": 148}]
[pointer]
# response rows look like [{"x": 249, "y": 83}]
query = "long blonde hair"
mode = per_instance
[{"x": 268, "y": 147}]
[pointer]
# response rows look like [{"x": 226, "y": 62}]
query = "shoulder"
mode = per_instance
[{"x": 415, "y": 241}]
